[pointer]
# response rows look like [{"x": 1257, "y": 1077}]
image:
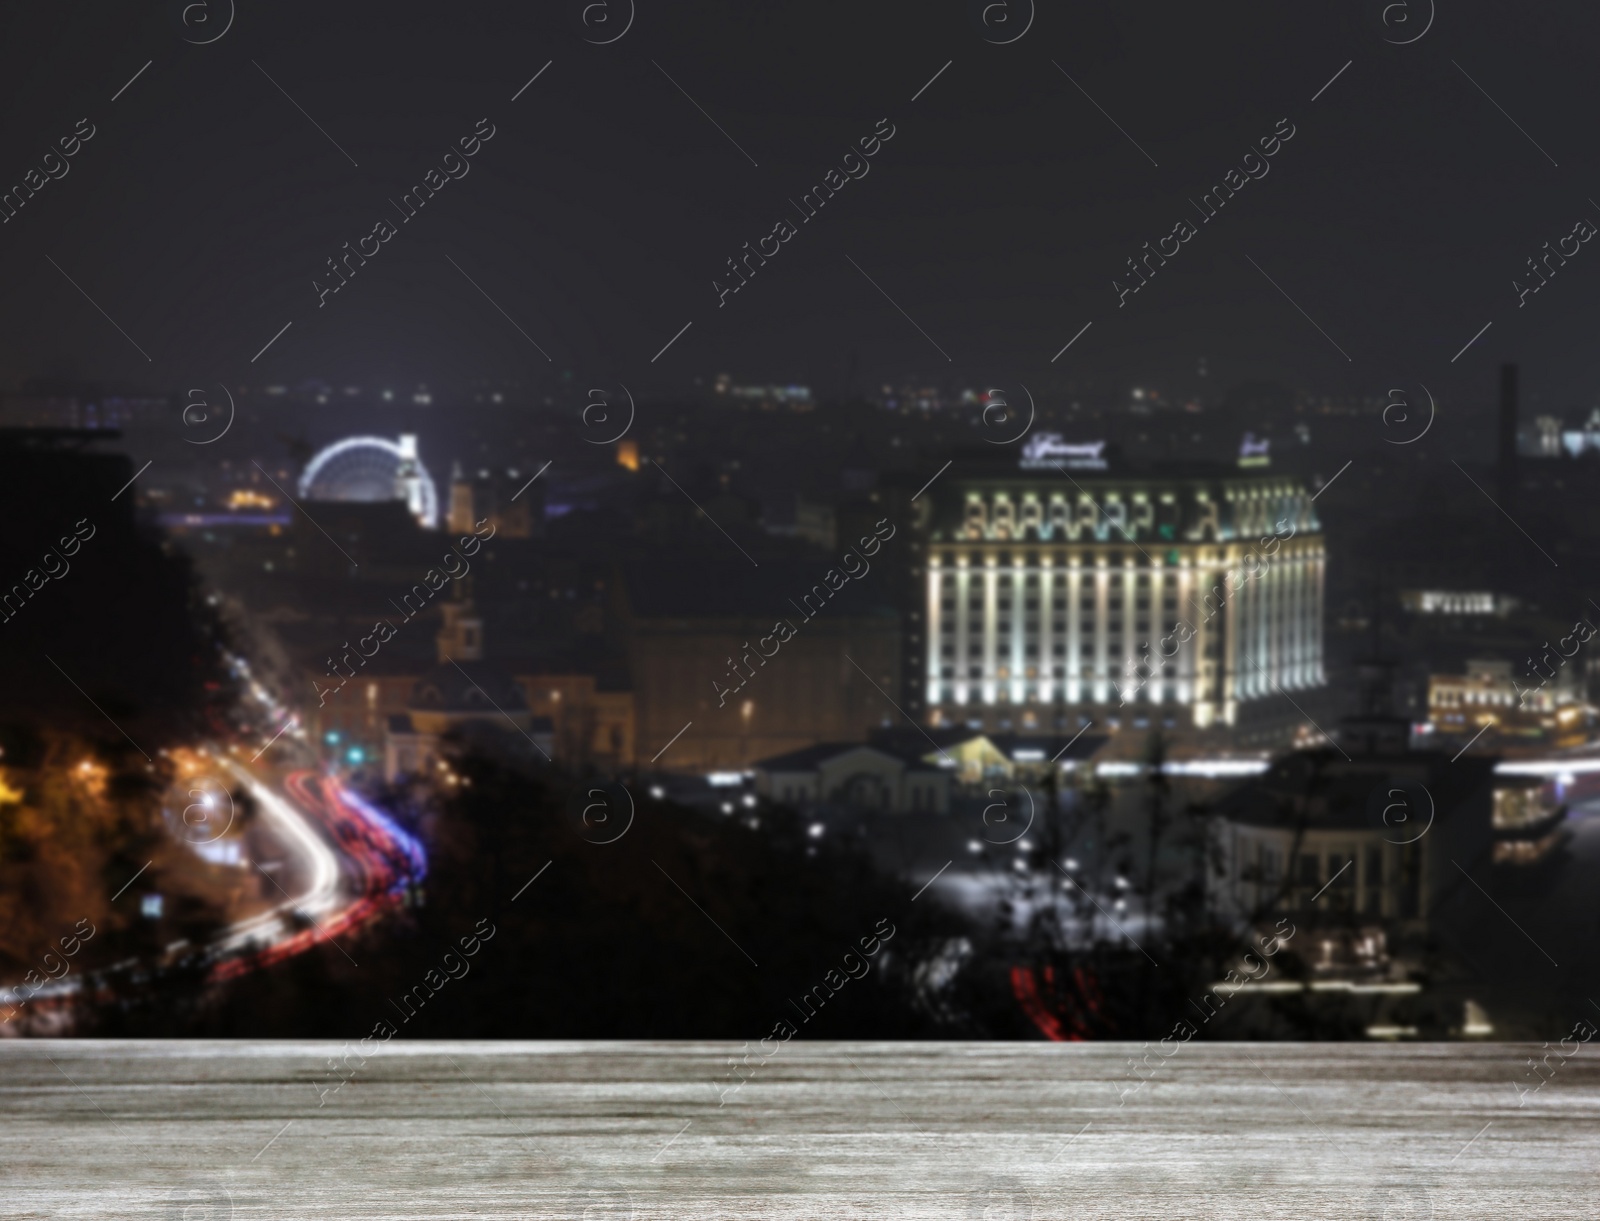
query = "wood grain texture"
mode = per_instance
[{"x": 822, "y": 1130}]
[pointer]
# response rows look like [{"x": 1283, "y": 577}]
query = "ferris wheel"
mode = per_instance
[{"x": 373, "y": 469}]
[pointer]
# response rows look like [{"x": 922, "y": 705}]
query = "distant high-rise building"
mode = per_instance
[{"x": 1052, "y": 600}]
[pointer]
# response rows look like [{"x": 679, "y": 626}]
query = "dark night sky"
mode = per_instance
[{"x": 998, "y": 216}]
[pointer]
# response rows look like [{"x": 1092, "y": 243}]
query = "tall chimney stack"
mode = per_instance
[{"x": 1507, "y": 465}]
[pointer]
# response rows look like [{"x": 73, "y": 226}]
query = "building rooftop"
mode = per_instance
[
  {"x": 1332, "y": 792},
  {"x": 812, "y": 757},
  {"x": 468, "y": 686}
]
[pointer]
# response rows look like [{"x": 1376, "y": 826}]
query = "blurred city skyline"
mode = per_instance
[{"x": 1071, "y": 471}]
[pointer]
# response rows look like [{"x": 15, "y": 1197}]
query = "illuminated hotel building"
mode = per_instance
[{"x": 1058, "y": 596}]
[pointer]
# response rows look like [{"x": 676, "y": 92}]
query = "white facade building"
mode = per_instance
[{"x": 1055, "y": 600}]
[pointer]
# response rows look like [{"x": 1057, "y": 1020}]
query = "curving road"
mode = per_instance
[
  {"x": 354, "y": 860},
  {"x": 358, "y": 861}
]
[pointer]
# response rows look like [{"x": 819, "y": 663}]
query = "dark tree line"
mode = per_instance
[{"x": 657, "y": 935}]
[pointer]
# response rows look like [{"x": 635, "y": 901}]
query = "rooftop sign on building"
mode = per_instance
[
  {"x": 1253, "y": 452},
  {"x": 1047, "y": 450}
]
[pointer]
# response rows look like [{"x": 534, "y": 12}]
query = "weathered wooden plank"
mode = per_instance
[{"x": 210, "y": 1130}]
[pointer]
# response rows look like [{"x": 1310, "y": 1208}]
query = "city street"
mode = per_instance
[{"x": 325, "y": 864}]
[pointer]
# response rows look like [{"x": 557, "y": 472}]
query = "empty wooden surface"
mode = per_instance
[{"x": 208, "y": 1131}]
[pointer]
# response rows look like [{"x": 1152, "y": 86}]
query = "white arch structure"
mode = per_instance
[{"x": 416, "y": 489}]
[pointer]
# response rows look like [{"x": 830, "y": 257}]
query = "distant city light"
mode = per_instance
[
  {"x": 1118, "y": 769},
  {"x": 1216, "y": 768},
  {"x": 1448, "y": 602},
  {"x": 1567, "y": 768}
]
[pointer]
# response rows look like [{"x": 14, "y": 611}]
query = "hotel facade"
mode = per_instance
[{"x": 1059, "y": 596}]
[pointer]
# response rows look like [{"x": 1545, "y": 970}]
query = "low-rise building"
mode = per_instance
[
  {"x": 584, "y": 720},
  {"x": 853, "y": 776},
  {"x": 976, "y": 759},
  {"x": 1488, "y": 698},
  {"x": 462, "y": 690},
  {"x": 1466, "y": 603},
  {"x": 590, "y": 723},
  {"x": 1370, "y": 848},
  {"x": 729, "y": 667},
  {"x": 1361, "y": 839}
]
